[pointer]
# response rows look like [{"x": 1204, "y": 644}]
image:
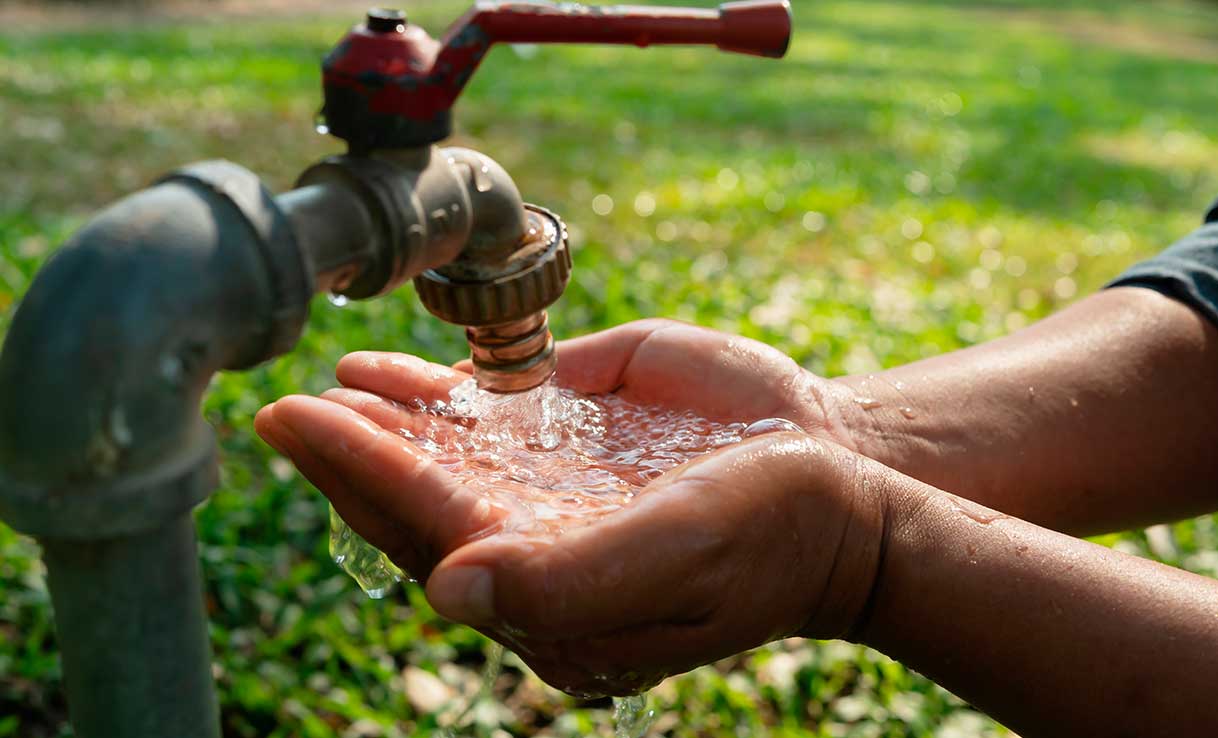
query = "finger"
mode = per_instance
[
  {"x": 400, "y": 377},
  {"x": 394, "y": 416},
  {"x": 268, "y": 429},
  {"x": 389, "y": 474},
  {"x": 373, "y": 525},
  {"x": 653, "y": 361},
  {"x": 465, "y": 365},
  {"x": 597, "y": 363}
]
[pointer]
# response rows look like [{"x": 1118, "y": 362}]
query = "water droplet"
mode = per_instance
[
  {"x": 631, "y": 718},
  {"x": 482, "y": 179},
  {"x": 320, "y": 125},
  {"x": 976, "y": 512},
  {"x": 909, "y": 413},
  {"x": 771, "y": 425},
  {"x": 338, "y": 301},
  {"x": 868, "y": 403}
]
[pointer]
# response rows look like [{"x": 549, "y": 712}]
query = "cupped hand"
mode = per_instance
[{"x": 774, "y": 536}]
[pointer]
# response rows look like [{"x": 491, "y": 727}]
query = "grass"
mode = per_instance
[{"x": 913, "y": 178}]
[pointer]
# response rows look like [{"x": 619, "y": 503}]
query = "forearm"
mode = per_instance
[
  {"x": 1049, "y": 634},
  {"x": 1098, "y": 418}
]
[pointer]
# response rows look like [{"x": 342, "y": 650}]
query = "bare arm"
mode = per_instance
[
  {"x": 1049, "y": 634},
  {"x": 786, "y": 534},
  {"x": 1101, "y": 417}
]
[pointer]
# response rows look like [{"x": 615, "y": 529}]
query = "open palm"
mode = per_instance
[{"x": 592, "y": 610}]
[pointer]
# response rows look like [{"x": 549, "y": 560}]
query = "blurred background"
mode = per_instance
[{"x": 914, "y": 177}]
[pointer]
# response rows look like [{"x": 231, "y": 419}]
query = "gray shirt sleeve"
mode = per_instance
[{"x": 1187, "y": 271}]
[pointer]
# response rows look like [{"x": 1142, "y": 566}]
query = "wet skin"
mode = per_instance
[{"x": 829, "y": 534}]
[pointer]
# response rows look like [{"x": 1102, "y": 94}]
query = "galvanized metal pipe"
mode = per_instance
[
  {"x": 133, "y": 634},
  {"x": 103, "y": 452}
]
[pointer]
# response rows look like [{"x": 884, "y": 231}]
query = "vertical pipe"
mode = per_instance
[{"x": 133, "y": 634}]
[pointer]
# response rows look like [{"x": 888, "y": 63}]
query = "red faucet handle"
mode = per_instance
[
  {"x": 390, "y": 85},
  {"x": 759, "y": 27}
]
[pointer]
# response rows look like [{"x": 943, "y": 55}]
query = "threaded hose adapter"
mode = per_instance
[{"x": 534, "y": 278}]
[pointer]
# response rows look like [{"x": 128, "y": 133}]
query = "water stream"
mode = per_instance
[{"x": 558, "y": 460}]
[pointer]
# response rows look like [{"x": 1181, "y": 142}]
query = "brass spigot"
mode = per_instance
[{"x": 503, "y": 305}]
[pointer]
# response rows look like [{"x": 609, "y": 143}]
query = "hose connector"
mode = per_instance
[{"x": 504, "y": 311}]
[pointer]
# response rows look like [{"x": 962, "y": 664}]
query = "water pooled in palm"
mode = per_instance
[{"x": 558, "y": 459}]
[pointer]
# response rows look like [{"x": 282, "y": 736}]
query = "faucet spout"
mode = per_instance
[{"x": 453, "y": 221}]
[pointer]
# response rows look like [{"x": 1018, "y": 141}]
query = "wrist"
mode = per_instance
[
  {"x": 906, "y": 539},
  {"x": 855, "y": 547},
  {"x": 884, "y": 423}
]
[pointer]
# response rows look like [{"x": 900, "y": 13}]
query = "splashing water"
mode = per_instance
[
  {"x": 558, "y": 460},
  {"x": 631, "y": 718}
]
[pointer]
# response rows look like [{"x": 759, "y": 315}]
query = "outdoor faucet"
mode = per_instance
[
  {"x": 479, "y": 256},
  {"x": 103, "y": 450}
]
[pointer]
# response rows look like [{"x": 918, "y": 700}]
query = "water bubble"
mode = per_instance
[
  {"x": 771, "y": 425},
  {"x": 338, "y": 301}
]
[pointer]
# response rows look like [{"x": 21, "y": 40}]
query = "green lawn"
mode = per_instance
[{"x": 914, "y": 177}]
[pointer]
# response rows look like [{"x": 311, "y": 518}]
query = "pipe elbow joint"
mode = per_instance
[{"x": 112, "y": 347}]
